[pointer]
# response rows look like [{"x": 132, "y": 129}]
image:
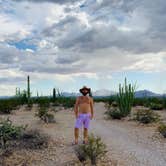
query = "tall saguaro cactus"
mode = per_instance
[
  {"x": 54, "y": 94},
  {"x": 28, "y": 88},
  {"x": 125, "y": 98}
]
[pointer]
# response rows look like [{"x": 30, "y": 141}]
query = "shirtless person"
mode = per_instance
[{"x": 84, "y": 113}]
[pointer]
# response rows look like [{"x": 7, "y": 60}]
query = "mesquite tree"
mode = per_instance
[{"x": 125, "y": 98}]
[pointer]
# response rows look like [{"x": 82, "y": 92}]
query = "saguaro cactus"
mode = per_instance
[
  {"x": 125, "y": 98},
  {"x": 54, "y": 93},
  {"x": 90, "y": 93},
  {"x": 28, "y": 88}
]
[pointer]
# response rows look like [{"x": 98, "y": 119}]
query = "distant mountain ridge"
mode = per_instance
[
  {"x": 106, "y": 92},
  {"x": 146, "y": 93}
]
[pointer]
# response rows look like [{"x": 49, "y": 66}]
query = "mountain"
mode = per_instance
[
  {"x": 5, "y": 97},
  {"x": 103, "y": 92},
  {"x": 68, "y": 94},
  {"x": 146, "y": 93},
  {"x": 106, "y": 92}
]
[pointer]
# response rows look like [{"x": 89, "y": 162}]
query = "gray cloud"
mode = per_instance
[
  {"x": 10, "y": 80},
  {"x": 76, "y": 41},
  {"x": 52, "y": 1}
]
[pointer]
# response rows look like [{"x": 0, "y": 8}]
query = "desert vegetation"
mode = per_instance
[
  {"x": 15, "y": 137},
  {"x": 93, "y": 150}
]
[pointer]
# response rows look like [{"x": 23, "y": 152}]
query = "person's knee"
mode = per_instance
[{"x": 86, "y": 129}]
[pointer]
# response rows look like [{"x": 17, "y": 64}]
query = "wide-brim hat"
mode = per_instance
[{"x": 85, "y": 88}]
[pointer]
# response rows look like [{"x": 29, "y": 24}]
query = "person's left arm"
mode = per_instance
[{"x": 91, "y": 107}]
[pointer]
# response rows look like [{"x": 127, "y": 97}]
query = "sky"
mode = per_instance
[{"x": 70, "y": 43}]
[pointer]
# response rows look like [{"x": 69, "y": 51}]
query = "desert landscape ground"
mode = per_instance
[{"x": 128, "y": 142}]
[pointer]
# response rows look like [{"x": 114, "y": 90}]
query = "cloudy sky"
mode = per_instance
[{"x": 70, "y": 43}]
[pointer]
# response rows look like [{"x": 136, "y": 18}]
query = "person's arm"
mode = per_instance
[
  {"x": 91, "y": 107},
  {"x": 76, "y": 107}
]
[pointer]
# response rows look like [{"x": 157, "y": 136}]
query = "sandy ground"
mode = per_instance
[{"x": 128, "y": 143}]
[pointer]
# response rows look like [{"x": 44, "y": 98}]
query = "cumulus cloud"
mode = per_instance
[
  {"x": 82, "y": 39},
  {"x": 52, "y": 1}
]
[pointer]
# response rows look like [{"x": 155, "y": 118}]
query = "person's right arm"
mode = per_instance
[{"x": 76, "y": 107}]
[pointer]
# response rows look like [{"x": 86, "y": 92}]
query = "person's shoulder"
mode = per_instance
[
  {"x": 90, "y": 98},
  {"x": 78, "y": 97}
]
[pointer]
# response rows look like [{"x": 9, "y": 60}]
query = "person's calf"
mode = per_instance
[
  {"x": 85, "y": 141},
  {"x": 76, "y": 135}
]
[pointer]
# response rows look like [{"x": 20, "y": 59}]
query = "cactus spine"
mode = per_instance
[{"x": 125, "y": 98}]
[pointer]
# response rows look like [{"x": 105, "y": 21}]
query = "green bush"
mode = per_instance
[
  {"x": 33, "y": 139},
  {"x": 164, "y": 102},
  {"x": 45, "y": 116},
  {"x": 8, "y": 132},
  {"x": 155, "y": 106},
  {"x": 146, "y": 116},
  {"x": 162, "y": 130},
  {"x": 93, "y": 150},
  {"x": 114, "y": 113}
]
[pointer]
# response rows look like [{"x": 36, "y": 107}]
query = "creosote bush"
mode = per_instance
[
  {"x": 33, "y": 139},
  {"x": 93, "y": 150},
  {"x": 114, "y": 113},
  {"x": 162, "y": 130},
  {"x": 8, "y": 132},
  {"x": 146, "y": 116},
  {"x": 156, "y": 106},
  {"x": 45, "y": 116}
]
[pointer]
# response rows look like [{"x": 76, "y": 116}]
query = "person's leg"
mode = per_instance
[
  {"x": 76, "y": 135},
  {"x": 86, "y": 126},
  {"x": 85, "y": 135},
  {"x": 78, "y": 125}
]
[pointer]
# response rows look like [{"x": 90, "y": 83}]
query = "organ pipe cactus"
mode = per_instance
[{"x": 125, "y": 98}]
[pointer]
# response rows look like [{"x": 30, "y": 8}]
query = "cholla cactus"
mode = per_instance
[{"x": 125, "y": 98}]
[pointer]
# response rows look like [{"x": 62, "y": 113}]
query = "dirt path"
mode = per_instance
[{"x": 128, "y": 142}]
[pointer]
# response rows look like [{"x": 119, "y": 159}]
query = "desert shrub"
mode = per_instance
[
  {"x": 155, "y": 106},
  {"x": 146, "y": 116},
  {"x": 9, "y": 132},
  {"x": 69, "y": 102},
  {"x": 162, "y": 130},
  {"x": 5, "y": 107},
  {"x": 114, "y": 104},
  {"x": 43, "y": 101},
  {"x": 140, "y": 101},
  {"x": 164, "y": 102},
  {"x": 45, "y": 116},
  {"x": 114, "y": 113},
  {"x": 93, "y": 150},
  {"x": 33, "y": 139}
]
